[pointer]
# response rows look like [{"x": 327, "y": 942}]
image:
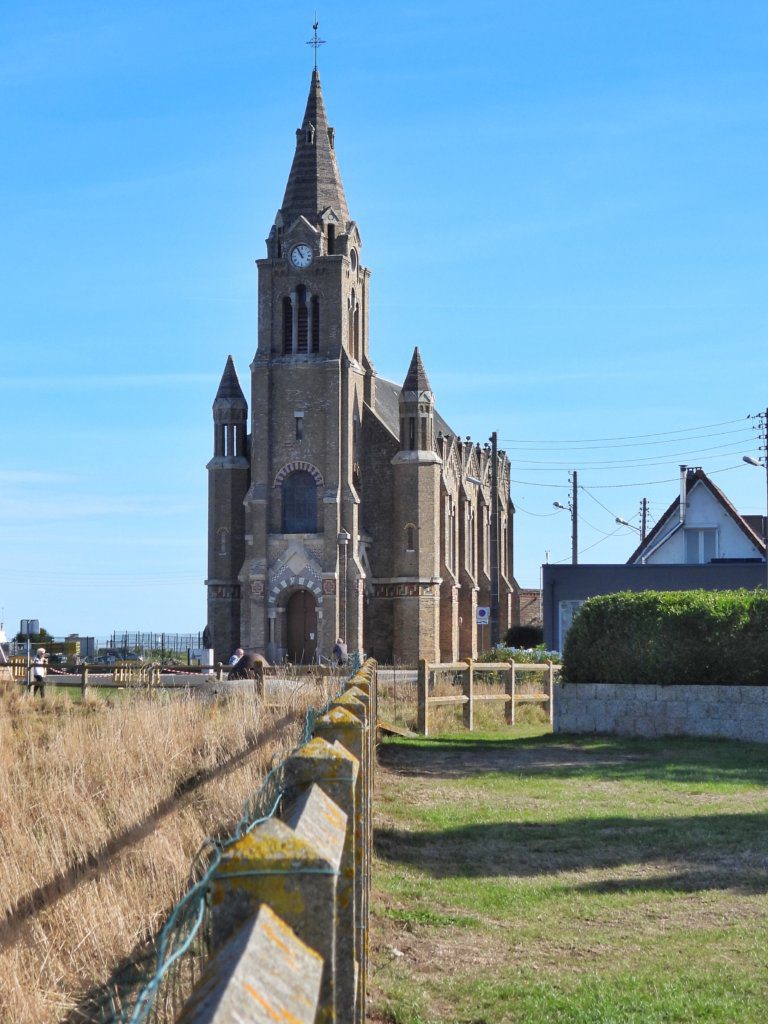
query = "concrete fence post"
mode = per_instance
[
  {"x": 276, "y": 865},
  {"x": 342, "y": 725},
  {"x": 509, "y": 689},
  {"x": 469, "y": 692},
  {"x": 263, "y": 974},
  {"x": 422, "y": 685},
  {"x": 356, "y": 701},
  {"x": 335, "y": 771}
]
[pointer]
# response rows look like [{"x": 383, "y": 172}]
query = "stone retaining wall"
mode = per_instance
[{"x": 623, "y": 709}]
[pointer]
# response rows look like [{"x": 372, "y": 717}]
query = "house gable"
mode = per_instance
[{"x": 707, "y": 509}]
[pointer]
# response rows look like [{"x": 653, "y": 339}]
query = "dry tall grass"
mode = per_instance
[{"x": 102, "y": 807}]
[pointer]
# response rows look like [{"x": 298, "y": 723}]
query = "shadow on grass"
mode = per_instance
[
  {"x": 720, "y": 851},
  {"x": 563, "y": 757}
]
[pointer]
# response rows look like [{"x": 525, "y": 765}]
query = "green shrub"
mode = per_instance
[
  {"x": 691, "y": 636},
  {"x": 524, "y": 636}
]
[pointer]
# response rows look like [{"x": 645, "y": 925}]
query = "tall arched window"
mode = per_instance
[{"x": 300, "y": 503}]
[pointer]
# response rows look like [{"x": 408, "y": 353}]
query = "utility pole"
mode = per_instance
[
  {"x": 643, "y": 518},
  {"x": 575, "y": 520},
  {"x": 495, "y": 639},
  {"x": 763, "y": 418}
]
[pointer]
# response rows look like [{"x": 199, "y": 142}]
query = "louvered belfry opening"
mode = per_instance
[
  {"x": 315, "y": 324},
  {"x": 302, "y": 336},
  {"x": 287, "y": 326}
]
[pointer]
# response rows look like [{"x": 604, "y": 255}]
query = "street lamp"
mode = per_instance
[
  {"x": 761, "y": 464},
  {"x": 571, "y": 507},
  {"x": 623, "y": 522},
  {"x": 343, "y": 540}
]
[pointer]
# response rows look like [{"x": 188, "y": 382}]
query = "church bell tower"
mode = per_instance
[{"x": 301, "y": 578}]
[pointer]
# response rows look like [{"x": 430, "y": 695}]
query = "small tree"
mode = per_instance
[{"x": 36, "y": 639}]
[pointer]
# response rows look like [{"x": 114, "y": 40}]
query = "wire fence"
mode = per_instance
[{"x": 153, "y": 988}]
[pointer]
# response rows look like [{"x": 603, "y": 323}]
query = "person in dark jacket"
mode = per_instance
[
  {"x": 340, "y": 651},
  {"x": 248, "y": 666}
]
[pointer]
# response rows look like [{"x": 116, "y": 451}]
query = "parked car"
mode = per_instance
[{"x": 111, "y": 657}]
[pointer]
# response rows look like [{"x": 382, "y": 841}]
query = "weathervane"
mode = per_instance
[{"x": 315, "y": 40}]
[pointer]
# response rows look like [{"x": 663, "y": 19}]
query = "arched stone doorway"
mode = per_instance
[{"x": 301, "y": 627}]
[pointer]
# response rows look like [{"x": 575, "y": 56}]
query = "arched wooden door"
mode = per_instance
[{"x": 301, "y": 613}]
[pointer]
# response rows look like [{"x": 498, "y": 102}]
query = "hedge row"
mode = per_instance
[{"x": 692, "y": 636}]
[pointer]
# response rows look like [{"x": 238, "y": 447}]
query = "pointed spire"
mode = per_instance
[
  {"x": 314, "y": 183},
  {"x": 416, "y": 378},
  {"x": 229, "y": 388}
]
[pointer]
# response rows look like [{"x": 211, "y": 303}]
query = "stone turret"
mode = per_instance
[
  {"x": 416, "y": 539},
  {"x": 228, "y": 481},
  {"x": 417, "y": 409}
]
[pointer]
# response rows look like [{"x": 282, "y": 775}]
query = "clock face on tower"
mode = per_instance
[{"x": 301, "y": 256}]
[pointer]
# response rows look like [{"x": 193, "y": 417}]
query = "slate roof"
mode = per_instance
[
  {"x": 387, "y": 408},
  {"x": 229, "y": 388},
  {"x": 314, "y": 182},
  {"x": 416, "y": 378}
]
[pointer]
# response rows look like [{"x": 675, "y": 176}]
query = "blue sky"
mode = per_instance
[{"x": 562, "y": 203}]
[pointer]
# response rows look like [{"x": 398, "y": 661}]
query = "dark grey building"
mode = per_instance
[{"x": 566, "y": 587}]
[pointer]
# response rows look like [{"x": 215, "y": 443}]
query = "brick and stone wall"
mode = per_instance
[{"x": 623, "y": 709}]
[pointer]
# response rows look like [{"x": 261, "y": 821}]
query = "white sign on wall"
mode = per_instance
[{"x": 567, "y": 611}]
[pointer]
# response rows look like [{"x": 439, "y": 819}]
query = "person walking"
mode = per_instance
[
  {"x": 234, "y": 658},
  {"x": 340, "y": 651},
  {"x": 39, "y": 663}
]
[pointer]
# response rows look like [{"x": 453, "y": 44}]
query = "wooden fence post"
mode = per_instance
[
  {"x": 422, "y": 686},
  {"x": 551, "y": 691},
  {"x": 84, "y": 681},
  {"x": 469, "y": 693},
  {"x": 509, "y": 689}
]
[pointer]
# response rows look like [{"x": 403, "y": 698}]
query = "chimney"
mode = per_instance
[{"x": 683, "y": 493}]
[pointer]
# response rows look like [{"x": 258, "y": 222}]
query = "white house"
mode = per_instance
[{"x": 700, "y": 526}]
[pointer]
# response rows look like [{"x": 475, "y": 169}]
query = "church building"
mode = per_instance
[{"x": 346, "y": 506}]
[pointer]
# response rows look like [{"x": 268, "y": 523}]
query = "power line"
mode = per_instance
[
  {"x": 635, "y": 461},
  {"x": 630, "y": 437},
  {"x": 553, "y": 445},
  {"x": 639, "y": 483},
  {"x": 589, "y": 547},
  {"x": 539, "y": 515},
  {"x": 613, "y": 515},
  {"x": 593, "y": 527}
]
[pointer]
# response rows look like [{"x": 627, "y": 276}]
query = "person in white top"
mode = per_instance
[{"x": 39, "y": 663}]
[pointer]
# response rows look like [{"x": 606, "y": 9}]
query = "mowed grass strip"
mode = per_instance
[{"x": 525, "y": 877}]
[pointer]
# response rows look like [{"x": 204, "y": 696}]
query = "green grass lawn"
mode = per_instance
[{"x": 557, "y": 880}]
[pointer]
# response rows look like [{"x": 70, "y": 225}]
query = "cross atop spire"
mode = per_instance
[{"x": 315, "y": 41}]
